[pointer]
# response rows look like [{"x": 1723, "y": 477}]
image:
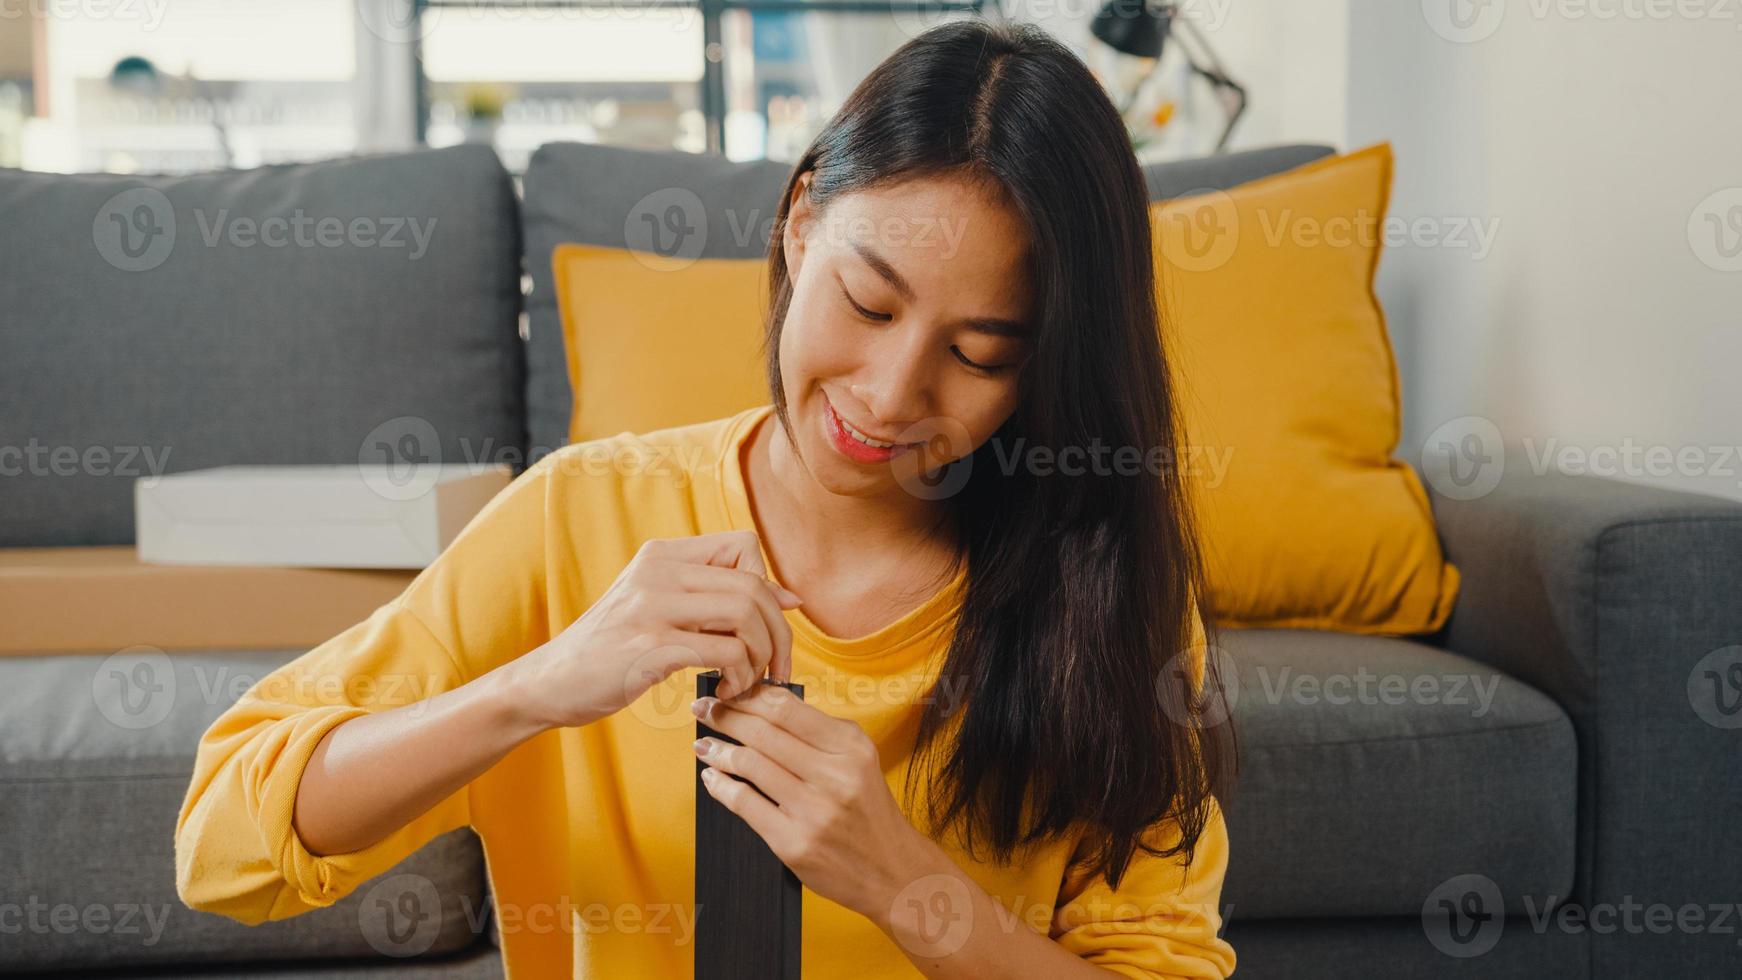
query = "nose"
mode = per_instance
[{"x": 895, "y": 386}]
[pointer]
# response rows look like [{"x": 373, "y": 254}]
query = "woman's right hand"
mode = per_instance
[{"x": 702, "y": 601}]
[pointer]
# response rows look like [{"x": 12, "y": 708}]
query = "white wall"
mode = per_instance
[
  {"x": 1551, "y": 157},
  {"x": 1607, "y": 318},
  {"x": 1291, "y": 55}
]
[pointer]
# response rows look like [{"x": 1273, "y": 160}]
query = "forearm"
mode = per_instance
[
  {"x": 952, "y": 929},
  {"x": 376, "y": 773}
]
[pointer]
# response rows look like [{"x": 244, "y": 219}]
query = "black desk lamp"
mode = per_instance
[
  {"x": 137, "y": 76},
  {"x": 1141, "y": 28}
]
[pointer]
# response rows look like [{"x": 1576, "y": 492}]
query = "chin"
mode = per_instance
[{"x": 832, "y": 471}]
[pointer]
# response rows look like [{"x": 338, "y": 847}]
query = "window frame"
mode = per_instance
[{"x": 713, "y": 83}]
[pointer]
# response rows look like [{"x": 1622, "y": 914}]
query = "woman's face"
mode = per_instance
[{"x": 910, "y": 303}]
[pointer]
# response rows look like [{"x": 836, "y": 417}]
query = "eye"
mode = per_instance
[
  {"x": 867, "y": 314},
  {"x": 986, "y": 368}
]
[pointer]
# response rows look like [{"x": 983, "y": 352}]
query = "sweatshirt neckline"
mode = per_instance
[{"x": 929, "y": 617}]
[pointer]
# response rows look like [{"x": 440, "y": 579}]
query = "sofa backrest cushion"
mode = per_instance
[
  {"x": 355, "y": 309},
  {"x": 686, "y": 207},
  {"x": 681, "y": 205}
]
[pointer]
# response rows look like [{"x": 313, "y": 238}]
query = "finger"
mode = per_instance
[
  {"x": 741, "y": 550},
  {"x": 790, "y": 713},
  {"x": 766, "y": 594},
  {"x": 763, "y": 817},
  {"x": 728, "y": 549},
  {"x": 797, "y": 756},
  {"x": 770, "y": 777},
  {"x": 676, "y": 649},
  {"x": 722, "y": 612}
]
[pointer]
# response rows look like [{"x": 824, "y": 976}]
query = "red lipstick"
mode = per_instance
[{"x": 852, "y": 448}]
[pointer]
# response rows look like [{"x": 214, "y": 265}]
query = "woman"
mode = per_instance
[{"x": 995, "y": 770}]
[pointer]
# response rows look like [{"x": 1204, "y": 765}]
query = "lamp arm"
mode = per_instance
[
  {"x": 1206, "y": 65},
  {"x": 220, "y": 128}
]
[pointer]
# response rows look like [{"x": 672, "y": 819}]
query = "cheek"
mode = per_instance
[
  {"x": 993, "y": 405},
  {"x": 978, "y": 406},
  {"x": 813, "y": 340}
]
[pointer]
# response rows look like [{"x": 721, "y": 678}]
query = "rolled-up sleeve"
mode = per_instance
[
  {"x": 479, "y": 604},
  {"x": 236, "y": 850},
  {"x": 1164, "y": 918}
]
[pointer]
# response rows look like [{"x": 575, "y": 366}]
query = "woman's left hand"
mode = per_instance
[
  {"x": 835, "y": 823},
  {"x": 833, "y": 820}
]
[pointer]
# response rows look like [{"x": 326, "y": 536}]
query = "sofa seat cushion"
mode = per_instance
[
  {"x": 95, "y": 756},
  {"x": 480, "y": 962},
  {"x": 1375, "y": 769}
]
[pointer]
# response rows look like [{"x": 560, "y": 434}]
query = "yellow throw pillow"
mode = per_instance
[
  {"x": 1290, "y": 397},
  {"x": 1288, "y": 387},
  {"x": 665, "y": 342}
]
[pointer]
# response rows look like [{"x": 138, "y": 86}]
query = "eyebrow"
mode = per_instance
[{"x": 991, "y": 325}]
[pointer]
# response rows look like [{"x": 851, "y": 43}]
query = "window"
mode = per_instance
[
  {"x": 175, "y": 87},
  {"x": 182, "y": 86},
  {"x": 749, "y": 78}
]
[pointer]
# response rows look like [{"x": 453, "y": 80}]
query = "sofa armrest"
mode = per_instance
[{"x": 1624, "y": 603}]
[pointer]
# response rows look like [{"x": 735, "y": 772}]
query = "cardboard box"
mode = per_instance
[
  {"x": 347, "y": 516},
  {"x": 64, "y": 600}
]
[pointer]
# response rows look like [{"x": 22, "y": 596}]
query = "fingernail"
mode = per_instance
[
  {"x": 699, "y": 707},
  {"x": 703, "y": 746},
  {"x": 791, "y": 596},
  {"x": 710, "y": 774}
]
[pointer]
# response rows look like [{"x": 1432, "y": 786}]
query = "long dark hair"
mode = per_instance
[{"x": 1081, "y": 590}]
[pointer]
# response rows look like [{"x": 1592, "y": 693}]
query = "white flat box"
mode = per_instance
[{"x": 345, "y": 516}]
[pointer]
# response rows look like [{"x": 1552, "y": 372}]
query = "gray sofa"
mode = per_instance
[{"x": 1572, "y": 777}]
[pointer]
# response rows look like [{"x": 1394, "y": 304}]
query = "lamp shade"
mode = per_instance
[{"x": 1135, "y": 27}]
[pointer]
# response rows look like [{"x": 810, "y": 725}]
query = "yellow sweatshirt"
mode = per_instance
[{"x": 588, "y": 832}]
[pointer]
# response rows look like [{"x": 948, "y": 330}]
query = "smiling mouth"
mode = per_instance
[{"x": 856, "y": 445}]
